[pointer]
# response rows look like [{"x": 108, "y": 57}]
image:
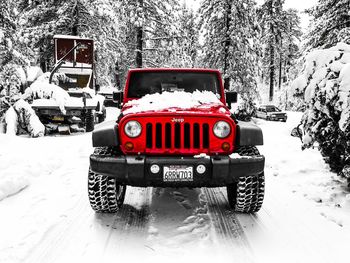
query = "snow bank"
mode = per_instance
[
  {"x": 29, "y": 118},
  {"x": 325, "y": 82},
  {"x": 33, "y": 73},
  {"x": 11, "y": 184},
  {"x": 23, "y": 159},
  {"x": 11, "y": 120},
  {"x": 168, "y": 100}
]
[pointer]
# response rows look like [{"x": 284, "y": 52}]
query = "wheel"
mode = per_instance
[
  {"x": 102, "y": 117},
  {"x": 89, "y": 121},
  {"x": 247, "y": 195},
  {"x": 105, "y": 194}
]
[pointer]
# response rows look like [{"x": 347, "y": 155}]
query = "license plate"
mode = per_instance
[
  {"x": 177, "y": 173},
  {"x": 58, "y": 118}
]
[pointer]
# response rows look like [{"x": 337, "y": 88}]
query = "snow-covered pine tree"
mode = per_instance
[
  {"x": 271, "y": 16},
  {"x": 10, "y": 59},
  {"x": 41, "y": 20},
  {"x": 325, "y": 84},
  {"x": 229, "y": 33},
  {"x": 7, "y": 27},
  {"x": 151, "y": 31},
  {"x": 185, "y": 49},
  {"x": 289, "y": 51},
  {"x": 330, "y": 24}
]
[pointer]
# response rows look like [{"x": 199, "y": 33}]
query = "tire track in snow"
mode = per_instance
[
  {"x": 82, "y": 232},
  {"x": 129, "y": 223},
  {"x": 225, "y": 222}
]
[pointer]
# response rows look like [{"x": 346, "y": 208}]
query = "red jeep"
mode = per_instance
[{"x": 175, "y": 130}]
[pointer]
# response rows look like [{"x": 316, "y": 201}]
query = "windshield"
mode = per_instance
[
  {"x": 143, "y": 83},
  {"x": 70, "y": 81},
  {"x": 272, "y": 109}
]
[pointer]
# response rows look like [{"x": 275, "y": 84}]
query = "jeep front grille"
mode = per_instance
[{"x": 177, "y": 135}]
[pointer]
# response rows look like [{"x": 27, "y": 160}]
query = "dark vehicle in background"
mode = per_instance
[{"x": 271, "y": 113}]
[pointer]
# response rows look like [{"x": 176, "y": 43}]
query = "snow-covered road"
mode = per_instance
[{"x": 305, "y": 216}]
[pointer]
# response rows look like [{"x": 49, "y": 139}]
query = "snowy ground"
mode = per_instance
[{"x": 45, "y": 215}]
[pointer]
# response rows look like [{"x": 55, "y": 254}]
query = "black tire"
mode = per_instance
[
  {"x": 247, "y": 195},
  {"x": 89, "y": 121},
  {"x": 102, "y": 117},
  {"x": 105, "y": 194}
]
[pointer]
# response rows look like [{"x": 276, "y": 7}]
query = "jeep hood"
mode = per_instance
[{"x": 177, "y": 103}]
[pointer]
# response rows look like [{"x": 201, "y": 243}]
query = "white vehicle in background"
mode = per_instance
[
  {"x": 78, "y": 103},
  {"x": 107, "y": 93},
  {"x": 271, "y": 113}
]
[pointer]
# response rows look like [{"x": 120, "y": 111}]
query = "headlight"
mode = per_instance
[
  {"x": 222, "y": 129},
  {"x": 273, "y": 115},
  {"x": 133, "y": 129}
]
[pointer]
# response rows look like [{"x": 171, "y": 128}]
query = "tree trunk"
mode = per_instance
[
  {"x": 227, "y": 46},
  {"x": 76, "y": 21},
  {"x": 139, "y": 47},
  {"x": 272, "y": 70},
  {"x": 117, "y": 74},
  {"x": 139, "y": 34},
  {"x": 272, "y": 53},
  {"x": 280, "y": 73}
]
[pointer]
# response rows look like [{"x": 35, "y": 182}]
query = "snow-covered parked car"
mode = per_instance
[
  {"x": 107, "y": 93},
  {"x": 175, "y": 130},
  {"x": 73, "y": 99},
  {"x": 271, "y": 112}
]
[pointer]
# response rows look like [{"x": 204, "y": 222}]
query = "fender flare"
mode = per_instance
[
  {"x": 248, "y": 134},
  {"x": 106, "y": 135}
]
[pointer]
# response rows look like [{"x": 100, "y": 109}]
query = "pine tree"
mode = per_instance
[
  {"x": 330, "y": 23},
  {"x": 280, "y": 34},
  {"x": 150, "y": 23},
  {"x": 289, "y": 51},
  {"x": 229, "y": 31},
  {"x": 271, "y": 20},
  {"x": 95, "y": 19},
  {"x": 7, "y": 28},
  {"x": 185, "y": 49}
]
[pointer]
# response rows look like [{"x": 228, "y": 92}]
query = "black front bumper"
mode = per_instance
[{"x": 135, "y": 170}]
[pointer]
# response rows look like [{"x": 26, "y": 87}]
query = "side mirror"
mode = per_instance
[
  {"x": 118, "y": 98},
  {"x": 231, "y": 97},
  {"x": 97, "y": 87}
]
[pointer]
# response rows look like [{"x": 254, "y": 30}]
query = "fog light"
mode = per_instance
[
  {"x": 201, "y": 169},
  {"x": 225, "y": 146},
  {"x": 129, "y": 146},
  {"x": 155, "y": 168}
]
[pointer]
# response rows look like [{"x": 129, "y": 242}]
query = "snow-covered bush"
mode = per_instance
[{"x": 325, "y": 83}]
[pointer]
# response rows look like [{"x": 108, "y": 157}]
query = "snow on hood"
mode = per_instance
[{"x": 172, "y": 101}]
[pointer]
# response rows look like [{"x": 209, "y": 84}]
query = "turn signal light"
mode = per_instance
[
  {"x": 225, "y": 146},
  {"x": 129, "y": 146}
]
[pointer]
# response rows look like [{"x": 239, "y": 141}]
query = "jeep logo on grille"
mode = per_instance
[{"x": 178, "y": 120}]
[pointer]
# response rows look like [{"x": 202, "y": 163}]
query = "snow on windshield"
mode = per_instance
[{"x": 166, "y": 100}]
